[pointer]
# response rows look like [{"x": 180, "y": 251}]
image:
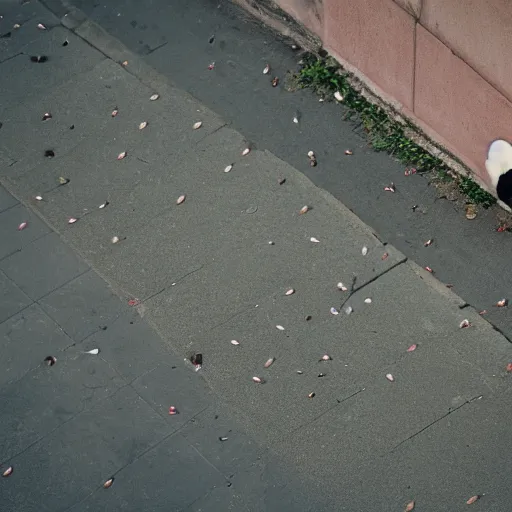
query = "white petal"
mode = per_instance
[
  {"x": 72, "y": 220},
  {"x": 39, "y": 198},
  {"x": 390, "y": 377},
  {"x": 234, "y": 342},
  {"x": 334, "y": 311},
  {"x": 291, "y": 291},
  {"x": 311, "y": 154},
  {"x": 348, "y": 310},
  {"x": 115, "y": 239},
  {"x": 368, "y": 300},
  {"x": 246, "y": 151},
  {"x": 280, "y": 327},
  {"x": 40, "y": 26},
  {"x": 228, "y": 168},
  {"x": 143, "y": 125},
  {"x": 315, "y": 240},
  {"x": 94, "y": 351},
  {"x": 338, "y": 96},
  {"x": 257, "y": 379},
  {"x": 342, "y": 287},
  {"x": 266, "y": 69},
  {"x": 364, "y": 251},
  {"x": 198, "y": 125},
  {"x": 180, "y": 199},
  {"x": 154, "y": 97},
  {"x": 269, "y": 362}
]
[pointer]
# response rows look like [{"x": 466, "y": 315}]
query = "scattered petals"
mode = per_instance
[
  {"x": 342, "y": 287},
  {"x": 40, "y": 26},
  {"x": 502, "y": 303},
  {"x": 410, "y": 171},
  {"x": 473, "y": 499},
  {"x": 314, "y": 240},
  {"x": 364, "y": 251},
  {"x": 280, "y": 327},
  {"x": 291, "y": 291},
  {"x": 338, "y": 96},
  {"x": 269, "y": 362},
  {"x": 121, "y": 155},
  {"x": 275, "y": 81},
  {"x": 197, "y": 125},
  {"x": 368, "y": 301},
  {"x": 228, "y": 168},
  {"x": 428, "y": 243},
  {"x": 304, "y": 210},
  {"x": 266, "y": 69},
  {"x": 234, "y": 342},
  {"x": 181, "y": 199},
  {"x": 412, "y": 348},
  {"x": 257, "y": 380},
  {"x": 428, "y": 269},
  {"x": 46, "y": 116},
  {"x": 22, "y": 226},
  {"x": 384, "y": 256},
  {"x": 211, "y": 65},
  {"x": 173, "y": 411},
  {"x": 390, "y": 188},
  {"x": 143, "y": 125},
  {"x": 94, "y": 351},
  {"x": 334, "y": 311},
  {"x": 154, "y": 97},
  {"x": 108, "y": 483},
  {"x": 8, "y": 472},
  {"x": 390, "y": 377},
  {"x": 246, "y": 151},
  {"x": 349, "y": 310},
  {"x": 103, "y": 205},
  {"x": 348, "y": 152},
  {"x": 465, "y": 323},
  {"x": 50, "y": 360},
  {"x": 72, "y": 220},
  {"x": 124, "y": 63},
  {"x": 410, "y": 506}
]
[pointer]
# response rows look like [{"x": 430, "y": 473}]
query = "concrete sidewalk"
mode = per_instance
[{"x": 316, "y": 435}]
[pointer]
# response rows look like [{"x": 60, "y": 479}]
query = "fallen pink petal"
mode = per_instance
[
  {"x": 22, "y": 226},
  {"x": 40, "y": 26},
  {"x": 257, "y": 380},
  {"x": 121, "y": 155},
  {"x": 72, "y": 220},
  {"x": 181, "y": 199},
  {"x": 412, "y": 348},
  {"x": 465, "y": 323},
  {"x": 390, "y": 377},
  {"x": 172, "y": 410},
  {"x": 269, "y": 362}
]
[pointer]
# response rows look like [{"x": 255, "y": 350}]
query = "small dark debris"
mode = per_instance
[
  {"x": 313, "y": 162},
  {"x": 275, "y": 81},
  {"x": 39, "y": 58},
  {"x": 321, "y": 374},
  {"x": 103, "y": 327},
  {"x": 6, "y": 35},
  {"x": 308, "y": 318},
  {"x": 211, "y": 40},
  {"x": 216, "y": 417},
  {"x": 72, "y": 127},
  {"x": 49, "y": 153},
  {"x": 50, "y": 360},
  {"x": 173, "y": 367},
  {"x": 230, "y": 484},
  {"x": 46, "y": 116},
  {"x": 65, "y": 43},
  {"x": 281, "y": 181},
  {"x": 223, "y": 439},
  {"x": 414, "y": 207}
]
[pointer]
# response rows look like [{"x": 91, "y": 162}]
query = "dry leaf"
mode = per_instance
[
  {"x": 154, "y": 97},
  {"x": 364, "y": 251},
  {"x": 63, "y": 181},
  {"x": 308, "y": 318},
  {"x": 234, "y": 342},
  {"x": 46, "y": 116},
  {"x": 313, "y": 162},
  {"x": 472, "y": 499},
  {"x": 412, "y": 348},
  {"x": 471, "y": 212},
  {"x": 311, "y": 395},
  {"x": 342, "y": 287},
  {"x": 124, "y": 63},
  {"x": 22, "y": 226},
  {"x": 257, "y": 380},
  {"x": 246, "y": 151},
  {"x": 275, "y": 81},
  {"x": 314, "y": 240},
  {"x": 410, "y": 506},
  {"x": 269, "y": 362},
  {"x": 181, "y": 199},
  {"x": 228, "y": 168},
  {"x": 303, "y": 210},
  {"x": 266, "y": 69},
  {"x": 94, "y": 351},
  {"x": 291, "y": 291},
  {"x": 121, "y": 155},
  {"x": 464, "y": 323},
  {"x": 390, "y": 377},
  {"x": 172, "y": 410},
  {"x": 72, "y": 220},
  {"x": 39, "y": 58},
  {"x": 368, "y": 301},
  {"x": 428, "y": 242},
  {"x": 338, "y": 96},
  {"x": 143, "y": 125},
  {"x": 50, "y": 360},
  {"x": 348, "y": 152},
  {"x": 8, "y": 472},
  {"x": 197, "y": 125},
  {"x": 280, "y": 327},
  {"x": 108, "y": 483},
  {"x": 502, "y": 303},
  {"x": 334, "y": 311},
  {"x": 40, "y": 26}
]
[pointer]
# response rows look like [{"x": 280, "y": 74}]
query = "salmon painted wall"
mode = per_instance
[{"x": 443, "y": 63}]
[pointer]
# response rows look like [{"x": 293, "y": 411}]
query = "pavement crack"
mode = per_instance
[
  {"x": 11, "y": 57},
  {"x": 151, "y": 50},
  {"x": 437, "y": 420}
]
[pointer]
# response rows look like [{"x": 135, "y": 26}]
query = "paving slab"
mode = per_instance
[
  {"x": 43, "y": 266},
  {"x": 83, "y": 306},
  {"x": 26, "y": 339},
  {"x": 12, "y": 299},
  {"x": 72, "y": 385},
  {"x": 13, "y": 240},
  {"x": 168, "y": 477},
  {"x": 105, "y": 438}
]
